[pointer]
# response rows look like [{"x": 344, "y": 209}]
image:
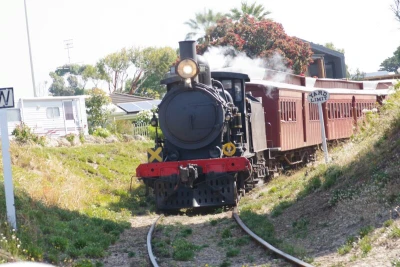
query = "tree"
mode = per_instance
[
  {"x": 396, "y": 9},
  {"x": 150, "y": 64},
  {"x": 92, "y": 73},
  {"x": 113, "y": 68},
  {"x": 96, "y": 107},
  {"x": 201, "y": 23},
  {"x": 76, "y": 75},
  {"x": 261, "y": 39},
  {"x": 254, "y": 10},
  {"x": 58, "y": 88},
  {"x": 392, "y": 64}
]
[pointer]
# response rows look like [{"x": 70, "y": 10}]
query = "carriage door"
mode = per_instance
[{"x": 69, "y": 118}]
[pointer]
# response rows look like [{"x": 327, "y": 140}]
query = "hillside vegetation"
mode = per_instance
[
  {"x": 343, "y": 213},
  {"x": 71, "y": 203}
]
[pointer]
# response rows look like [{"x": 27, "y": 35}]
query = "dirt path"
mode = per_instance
[{"x": 131, "y": 249}]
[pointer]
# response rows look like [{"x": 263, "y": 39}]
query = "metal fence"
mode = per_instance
[{"x": 141, "y": 129}]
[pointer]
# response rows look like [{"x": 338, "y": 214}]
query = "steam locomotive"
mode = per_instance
[{"x": 224, "y": 134}]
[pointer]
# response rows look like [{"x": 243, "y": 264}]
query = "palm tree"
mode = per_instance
[
  {"x": 201, "y": 23},
  {"x": 257, "y": 11}
]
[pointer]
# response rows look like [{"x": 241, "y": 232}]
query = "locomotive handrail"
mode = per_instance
[
  {"x": 149, "y": 248},
  {"x": 267, "y": 245}
]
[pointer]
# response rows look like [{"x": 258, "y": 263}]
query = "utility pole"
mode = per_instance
[
  {"x": 30, "y": 51},
  {"x": 68, "y": 45}
]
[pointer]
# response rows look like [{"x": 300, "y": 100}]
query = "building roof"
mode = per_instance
[{"x": 117, "y": 98}]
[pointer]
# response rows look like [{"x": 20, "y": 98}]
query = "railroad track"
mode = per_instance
[{"x": 259, "y": 240}]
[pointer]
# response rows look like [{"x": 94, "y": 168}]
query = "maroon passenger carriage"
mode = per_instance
[{"x": 292, "y": 123}]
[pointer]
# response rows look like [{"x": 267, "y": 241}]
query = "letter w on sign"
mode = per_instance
[{"x": 7, "y": 97}]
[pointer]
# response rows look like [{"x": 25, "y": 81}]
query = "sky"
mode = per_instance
[{"x": 366, "y": 30}]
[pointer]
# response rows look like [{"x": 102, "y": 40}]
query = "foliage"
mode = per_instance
[
  {"x": 101, "y": 132},
  {"x": 256, "y": 11},
  {"x": 144, "y": 117},
  {"x": 77, "y": 77},
  {"x": 70, "y": 138},
  {"x": 152, "y": 132},
  {"x": 96, "y": 108},
  {"x": 201, "y": 23},
  {"x": 24, "y": 134},
  {"x": 261, "y": 39},
  {"x": 113, "y": 68},
  {"x": 150, "y": 65},
  {"x": 392, "y": 64},
  {"x": 58, "y": 88}
]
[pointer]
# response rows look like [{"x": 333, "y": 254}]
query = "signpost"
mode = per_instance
[
  {"x": 319, "y": 97},
  {"x": 7, "y": 101}
]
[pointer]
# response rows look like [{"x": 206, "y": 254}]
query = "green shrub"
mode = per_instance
[
  {"x": 101, "y": 132},
  {"x": 23, "y": 134},
  {"x": 152, "y": 132},
  {"x": 70, "y": 137}
]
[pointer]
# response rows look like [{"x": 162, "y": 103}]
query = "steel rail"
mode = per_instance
[
  {"x": 149, "y": 248},
  {"x": 267, "y": 245}
]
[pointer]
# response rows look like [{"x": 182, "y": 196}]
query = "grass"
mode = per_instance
[
  {"x": 73, "y": 203},
  {"x": 174, "y": 242}
]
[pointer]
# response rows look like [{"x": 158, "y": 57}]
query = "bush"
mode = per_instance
[
  {"x": 101, "y": 132},
  {"x": 23, "y": 134},
  {"x": 152, "y": 132},
  {"x": 70, "y": 137}
]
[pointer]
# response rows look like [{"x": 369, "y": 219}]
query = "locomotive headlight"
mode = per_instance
[{"x": 187, "y": 68}]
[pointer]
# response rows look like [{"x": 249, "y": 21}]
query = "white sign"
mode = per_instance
[
  {"x": 7, "y": 97},
  {"x": 7, "y": 101},
  {"x": 318, "y": 96}
]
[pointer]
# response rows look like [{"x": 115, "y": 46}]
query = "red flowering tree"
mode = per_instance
[{"x": 259, "y": 39}]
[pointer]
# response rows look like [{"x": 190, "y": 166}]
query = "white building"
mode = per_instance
[{"x": 51, "y": 115}]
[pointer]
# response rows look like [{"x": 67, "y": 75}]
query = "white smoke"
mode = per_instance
[{"x": 227, "y": 58}]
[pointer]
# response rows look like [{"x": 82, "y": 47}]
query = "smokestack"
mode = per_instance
[{"x": 187, "y": 49}]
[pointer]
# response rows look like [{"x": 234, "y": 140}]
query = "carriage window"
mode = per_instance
[
  {"x": 227, "y": 84},
  {"x": 238, "y": 90},
  {"x": 288, "y": 111},
  {"x": 313, "y": 112},
  {"x": 351, "y": 110}
]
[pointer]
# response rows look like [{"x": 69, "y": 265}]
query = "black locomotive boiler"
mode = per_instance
[{"x": 214, "y": 137}]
